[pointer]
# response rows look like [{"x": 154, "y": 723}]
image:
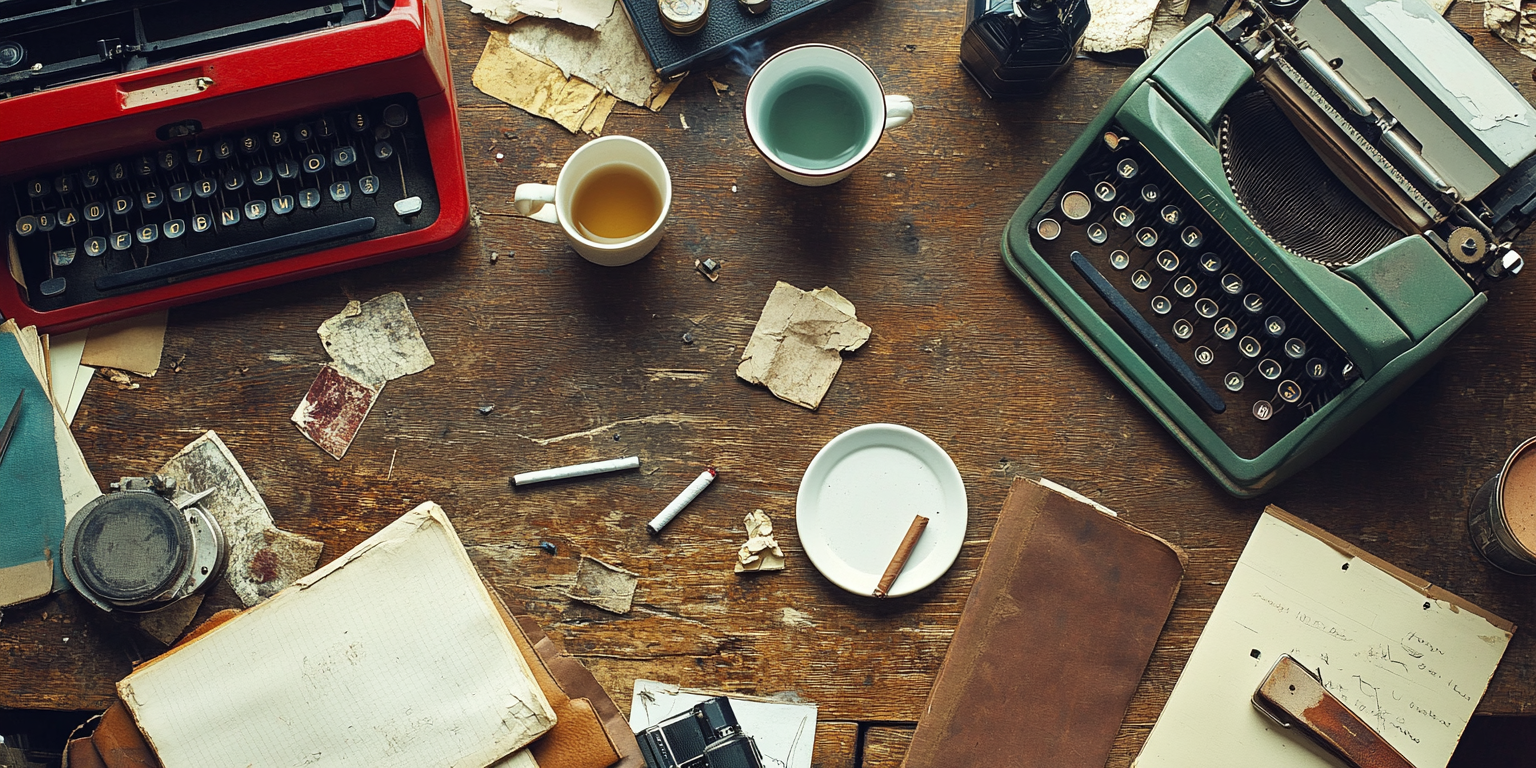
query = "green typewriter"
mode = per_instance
[{"x": 1281, "y": 220}]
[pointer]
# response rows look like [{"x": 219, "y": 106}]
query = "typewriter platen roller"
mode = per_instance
[{"x": 1281, "y": 220}]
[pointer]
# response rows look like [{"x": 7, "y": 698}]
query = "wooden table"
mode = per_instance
[{"x": 585, "y": 362}]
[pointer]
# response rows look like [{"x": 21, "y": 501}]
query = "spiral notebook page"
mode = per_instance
[{"x": 393, "y": 655}]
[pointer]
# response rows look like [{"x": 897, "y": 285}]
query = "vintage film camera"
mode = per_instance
[{"x": 706, "y": 736}]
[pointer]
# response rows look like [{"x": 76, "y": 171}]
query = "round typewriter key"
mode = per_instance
[
  {"x": 12, "y": 54},
  {"x": 262, "y": 175},
  {"x": 1097, "y": 234},
  {"x": 151, "y": 199},
  {"x": 383, "y": 150},
  {"x": 1167, "y": 261},
  {"x": 68, "y": 217},
  {"x": 37, "y": 188},
  {"x": 202, "y": 222},
  {"x": 95, "y": 246},
  {"x": 382, "y": 132},
  {"x": 1183, "y": 329},
  {"x": 47, "y": 221},
  {"x": 358, "y": 121},
  {"x": 1104, "y": 191},
  {"x": 1295, "y": 348},
  {"x": 341, "y": 191},
  {"x": 314, "y": 163},
  {"x": 180, "y": 193},
  {"x": 168, "y": 159},
  {"x": 1147, "y": 236},
  {"x": 94, "y": 212},
  {"x": 325, "y": 128},
  {"x": 250, "y": 144},
  {"x": 53, "y": 286},
  {"x": 204, "y": 188},
  {"x": 1226, "y": 329},
  {"x": 1253, "y": 303},
  {"x": 117, "y": 172},
  {"x": 287, "y": 169},
  {"x": 1074, "y": 205},
  {"x": 1150, "y": 193},
  {"x": 309, "y": 198},
  {"x": 1289, "y": 391},
  {"x": 1141, "y": 280},
  {"x": 121, "y": 241},
  {"x": 1161, "y": 305},
  {"x": 1262, "y": 410},
  {"x": 233, "y": 179},
  {"x": 277, "y": 137},
  {"x": 1048, "y": 229},
  {"x": 1249, "y": 346},
  {"x": 1231, "y": 284},
  {"x": 1185, "y": 286},
  {"x": 26, "y": 225},
  {"x": 1191, "y": 237},
  {"x": 1123, "y": 216},
  {"x": 1317, "y": 369},
  {"x": 1204, "y": 355},
  {"x": 1274, "y": 325},
  {"x": 174, "y": 228},
  {"x": 368, "y": 185},
  {"x": 229, "y": 217},
  {"x": 223, "y": 149},
  {"x": 198, "y": 155},
  {"x": 122, "y": 204},
  {"x": 147, "y": 234},
  {"x": 256, "y": 210},
  {"x": 343, "y": 156},
  {"x": 282, "y": 205},
  {"x": 302, "y": 132},
  {"x": 90, "y": 178},
  {"x": 64, "y": 183},
  {"x": 1119, "y": 259},
  {"x": 1127, "y": 168},
  {"x": 1269, "y": 369},
  {"x": 62, "y": 257},
  {"x": 144, "y": 166},
  {"x": 1233, "y": 381},
  {"x": 396, "y": 116},
  {"x": 1172, "y": 215},
  {"x": 1206, "y": 308}
]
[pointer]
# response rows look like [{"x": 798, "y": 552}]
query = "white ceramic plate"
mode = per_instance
[{"x": 858, "y": 498}]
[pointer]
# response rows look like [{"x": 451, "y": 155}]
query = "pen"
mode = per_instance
[{"x": 10, "y": 424}]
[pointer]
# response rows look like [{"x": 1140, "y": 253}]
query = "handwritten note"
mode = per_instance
[{"x": 1411, "y": 666}]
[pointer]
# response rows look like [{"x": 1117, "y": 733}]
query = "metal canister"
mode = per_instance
[
  {"x": 683, "y": 17},
  {"x": 1494, "y": 527}
]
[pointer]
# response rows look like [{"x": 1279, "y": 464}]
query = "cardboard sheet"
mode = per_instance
[
  {"x": 608, "y": 587},
  {"x": 785, "y": 731},
  {"x": 132, "y": 345},
  {"x": 796, "y": 348},
  {"x": 539, "y": 88},
  {"x": 1410, "y": 659},
  {"x": 586, "y": 13},
  {"x": 391, "y": 656}
]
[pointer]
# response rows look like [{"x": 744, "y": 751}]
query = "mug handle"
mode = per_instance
[
  {"x": 898, "y": 111},
  {"x": 537, "y": 202}
]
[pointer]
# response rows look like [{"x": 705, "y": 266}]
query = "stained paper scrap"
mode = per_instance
[
  {"x": 586, "y": 13},
  {"x": 135, "y": 344},
  {"x": 333, "y": 410},
  {"x": 1118, "y": 25},
  {"x": 796, "y": 348},
  {"x": 608, "y": 587},
  {"x": 1514, "y": 21},
  {"x": 1167, "y": 23},
  {"x": 539, "y": 88},
  {"x": 761, "y": 552},
  {"x": 263, "y": 559},
  {"x": 609, "y": 57}
]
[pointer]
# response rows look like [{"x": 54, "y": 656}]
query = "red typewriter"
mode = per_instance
[{"x": 160, "y": 152}]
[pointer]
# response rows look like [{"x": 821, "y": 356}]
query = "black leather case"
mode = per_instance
[{"x": 730, "y": 28}]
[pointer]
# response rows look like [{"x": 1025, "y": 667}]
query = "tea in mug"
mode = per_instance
[
  {"x": 816, "y": 122},
  {"x": 615, "y": 203}
]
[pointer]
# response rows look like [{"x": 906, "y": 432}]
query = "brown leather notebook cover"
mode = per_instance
[{"x": 1053, "y": 640}]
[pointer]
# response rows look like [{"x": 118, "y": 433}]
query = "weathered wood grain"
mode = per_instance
[
  {"x": 886, "y": 745},
  {"x": 837, "y": 745},
  {"x": 585, "y": 362}
]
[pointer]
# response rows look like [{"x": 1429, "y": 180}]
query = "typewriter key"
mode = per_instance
[
  {"x": 1274, "y": 326},
  {"x": 46, "y": 222},
  {"x": 1049, "y": 229},
  {"x": 1295, "y": 348},
  {"x": 1161, "y": 305},
  {"x": 62, "y": 257},
  {"x": 1289, "y": 391},
  {"x": 12, "y": 54},
  {"x": 37, "y": 188},
  {"x": 1168, "y": 261},
  {"x": 1204, "y": 355},
  {"x": 309, "y": 198},
  {"x": 1191, "y": 237},
  {"x": 1206, "y": 308},
  {"x": 151, "y": 199},
  {"x": 180, "y": 193},
  {"x": 68, "y": 217},
  {"x": 368, "y": 185},
  {"x": 117, "y": 172},
  {"x": 358, "y": 121},
  {"x": 229, "y": 217},
  {"x": 277, "y": 137},
  {"x": 382, "y": 132},
  {"x": 302, "y": 132},
  {"x": 1317, "y": 369},
  {"x": 1123, "y": 216},
  {"x": 53, "y": 286},
  {"x": 26, "y": 225},
  {"x": 1140, "y": 280},
  {"x": 396, "y": 116},
  {"x": 256, "y": 210},
  {"x": 262, "y": 175},
  {"x": 1119, "y": 259},
  {"x": 204, "y": 188},
  {"x": 233, "y": 179},
  {"x": 1185, "y": 286},
  {"x": 1233, "y": 381},
  {"x": 90, "y": 178},
  {"x": 95, "y": 246},
  {"x": 1150, "y": 193},
  {"x": 1104, "y": 191},
  {"x": 199, "y": 155},
  {"x": 341, "y": 191},
  {"x": 1183, "y": 329},
  {"x": 174, "y": 228},
  {"x": 1253, "y": 303},
  {"x": 249, "y": 144},
  {"x": 223, "y": 150},
  {"x": 1097, "y": 234},
  {"x": 168, "y": 159},
  {"x": 1231, "y": 284},
  {"x": 144, "y": 167},
  {"x": 314, "y": 163},
  {"x": 1262, "y": 410},
  {"x": 64, "y": 183},
  {"x": 1269, "y": 369},
  {"x": 121, "y": 241},
  {"x": 1127, "y": 168},
  {"x": 343, "y": 156},
  {"x": 122, "y": 204},
  {"x": 287, "y": 169},
  {"x": 383, "y": 150},
  {"x": 282, "y": 205},
  {"x": 1074, "y": 205},
  {"x": 325, "y": 128},
  {"x": 147, "y": 234},
  {"x": 1250, "y": 347},
  {"x": 94, "y": 212},
  {"x": 1147, "y": 236},
  {"x": 201, "y": 222},
  {"x": 1225, "y": 329},
  {"x": 1172, "y": 215}
]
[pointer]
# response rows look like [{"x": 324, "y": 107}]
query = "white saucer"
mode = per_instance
[{"x": 858, "y": 498}]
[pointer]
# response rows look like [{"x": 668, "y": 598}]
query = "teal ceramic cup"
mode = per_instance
[{"x": 815, "y": 111}]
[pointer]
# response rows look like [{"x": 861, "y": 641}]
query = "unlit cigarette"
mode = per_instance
[
  {"x": 903, "y": 552},
  {"x": 683, "y": 499},
  {"x": 576, "y": 470}
]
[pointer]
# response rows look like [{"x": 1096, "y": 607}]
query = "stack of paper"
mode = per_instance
[{"x": 43, "y": 476}]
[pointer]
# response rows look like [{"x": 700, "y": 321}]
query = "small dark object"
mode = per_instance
[
  {"x": 11, "y": 54},
  {"x": 485, "y": 410},
  {"x": 687, "y": 337},
  {"x": 706, "y": 736},
  {"x": 1016, "y": 47},
  {"x": 10, "y": 424},
  {"x": 549, "y": 547}
]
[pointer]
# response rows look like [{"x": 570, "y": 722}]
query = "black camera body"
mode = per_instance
[{"x": 706, "y": 736}]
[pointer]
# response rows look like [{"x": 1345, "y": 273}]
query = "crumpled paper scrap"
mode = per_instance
[
  {"x": 1167, "y": 23},
  {"x": 539, "y": 88},
  {"x": 761, "y": 552},
  {"x": 586, "y": 13},
  {"x": 796, "y": 348},
  {"x": 1514, "y": 21},
  {"x": 1119, "y": 25}
]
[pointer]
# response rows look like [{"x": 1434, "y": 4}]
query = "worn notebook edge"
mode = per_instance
[{"x": 1417, "y": 583}]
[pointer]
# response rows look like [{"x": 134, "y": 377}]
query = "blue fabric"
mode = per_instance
[{"x": 31, "y": 499}]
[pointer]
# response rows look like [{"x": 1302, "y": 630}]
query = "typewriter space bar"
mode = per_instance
[
  {"x": 1147, "y": 333},
  {"x": 234, "y": 254}
]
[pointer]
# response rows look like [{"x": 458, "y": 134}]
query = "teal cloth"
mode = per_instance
[{"x": 31, "y": 499}]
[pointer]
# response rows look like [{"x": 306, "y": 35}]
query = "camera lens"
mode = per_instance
[{"x": 11, "y": 54}]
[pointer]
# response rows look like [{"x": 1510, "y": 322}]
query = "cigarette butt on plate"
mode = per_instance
[{"x": 903, "y": 552}]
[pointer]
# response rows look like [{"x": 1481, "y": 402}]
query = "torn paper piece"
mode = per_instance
[
  {"x": 1118, "y": 25},
  {"x": 586, "y": 13},
  {"x": 64, "y": 351},
  {"x": 1167, "y": 23},
  {"x": 376, "y": 341},
  {"x": 1515, "y": 22},
  {"x": 540, "y": 89},
  {"x": 783, "y": 729},
  {"x": 609, "y": 57},
  {"x": 262, "y": 559},
  {"x": 132, "y": 345},
  {"x": 796, "y": 348},
  {"x": 333, "y": 410},
  {"x": 83, "y": 376},
  {"x": 167, "y": 624},
  {"x": 608, "y": 587},
  {"x": 761, "y": 552}
]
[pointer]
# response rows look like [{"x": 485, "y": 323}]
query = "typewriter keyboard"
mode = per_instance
[
  {"x": 1150, "y": 261},
  {"x": 211, "y": 203}
]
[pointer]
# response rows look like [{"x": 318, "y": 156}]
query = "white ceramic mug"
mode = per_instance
[
  {"x": 553, "y": 203},
  {"x": 815, "y": 111}
]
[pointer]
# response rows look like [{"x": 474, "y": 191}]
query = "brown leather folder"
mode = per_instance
[{"x": 1053, "y": 640}]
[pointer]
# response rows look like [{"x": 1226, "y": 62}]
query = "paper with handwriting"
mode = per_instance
[{"x": 1410, "y": 659}]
